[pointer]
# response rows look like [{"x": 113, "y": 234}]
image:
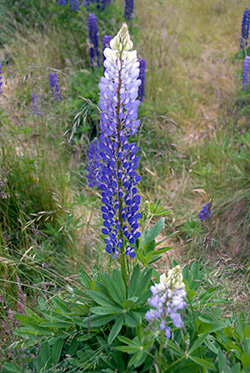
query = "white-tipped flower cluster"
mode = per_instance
[{"x": 168, "y": 298}]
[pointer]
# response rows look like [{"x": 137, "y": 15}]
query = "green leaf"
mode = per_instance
[
  {"x": 203, "y": 363},
  {"x": 44, "y": 353},
  {"x": 56, "y": 325},
  {"x": 134, "y": 281},
  {"x": 84, "y": 278},
  {"x": 101, "y": 299},
  {"x": 129, "y": 302},
  {"x": 128, "y": 349},
  {"x": 107, "y": 310},
  {"x": 175, "y": 348},
  {"x": 57, "y": 350},
  {"x": 245, "y": 360},
  {"x": 119, "y": 284},
  {"x": 86, "y": 337},
  {"x": 33, "y": 330},
  {"x": 116, "y": 328},
  {"x": 162, "y": 250},
  {"x": 97, "y": 321},
  {"x": 113, "y": 289},
  {"x": 197, "y": 343},
  {"x": 12, "y": 368},
  {"x": 153, "y": 232},
  {"x": 130, "y": 320},
  {"x": 127, "y": 341}
]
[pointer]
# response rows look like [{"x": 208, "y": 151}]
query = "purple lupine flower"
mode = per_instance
[
  {"x": 62, "y": 2},
  {"x": 105, "y": 44},
  {"x": 167, "y": 300},
  {"x": 74, "y": 5},
  {"x": 142, "y": 78},
  {"x": 245, "y": 28},
  {"x": 54, "y": 87},
  {"x": 1, "y": 83},
  {"x": 129, "y": 9},
  {"x": 246, "y": 73},
  {"x": 93, "y": 163},
  {"x": 118, "y": 176},
  {"x": 93, "y": 37},
  {"x": 205, "y": 212},
  {"x": 35, "y": 104}
]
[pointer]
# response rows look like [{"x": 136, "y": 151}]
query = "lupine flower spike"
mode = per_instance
[
  {"x": 74, "y": 5},
  {"x": 93, "y": 37},
  {"x": 54, "y": 87},
  {"x": 246, "y": 73},
  {"x": 118, "y": 176},
  {"x": 168, "y": 298},
  {"x": 1, "y": 83},
  {"x": 205, "y": 212},
  {"x": 62, "y": 2},
  {"x": 35, "y": 104},
  {"x": 129, "y": 9},
  {"x": 245, "y": 28},
  {"x": 142, "y": 78}
]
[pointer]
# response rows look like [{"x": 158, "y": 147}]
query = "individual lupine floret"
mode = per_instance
[
  {"x": 54, "y": 87},
  {"x": 168, "y": 297},
  {"x": 246, "y": 73},
  {"x": 74, "y": 5},
  {"x": 93, "y": 163},
  {"x": 62, "y": 2},
  {"x": 129, "y": 9},
  {"x": 245, "y": 28},
  {"x": 93, "y": 37},
  {"x": 142, "y": 78},
  {"x": 105, "y": 44},
  {"x": 1, "y": 83},
  {"x": 118, "y": 104},
  {"x": 205, "y": 212}
]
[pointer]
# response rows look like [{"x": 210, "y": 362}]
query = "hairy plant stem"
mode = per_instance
[{"x": 119, "y": 164}]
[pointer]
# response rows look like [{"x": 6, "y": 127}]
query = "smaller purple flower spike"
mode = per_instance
[
  {"x": 245, "y": 28},
  {"x": 94, "y": 163},
  {"x": 1, "y": 83},
  {"x": 142, "y": 67},
  {"x": 246, "y": 73},
  {"x": 106, "y": 44},
  {"x": 167, "y": 299},
  {"x": 62, "y": 2},
  {"x": 93, "y": 37},
  {"x": 35, "y": 104},
  {"x": 54, "y": 87},
  {"x": 129, "y": 9},
  {"x": 74, "y": 5},
  {"x": 205, "y": 212}
]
